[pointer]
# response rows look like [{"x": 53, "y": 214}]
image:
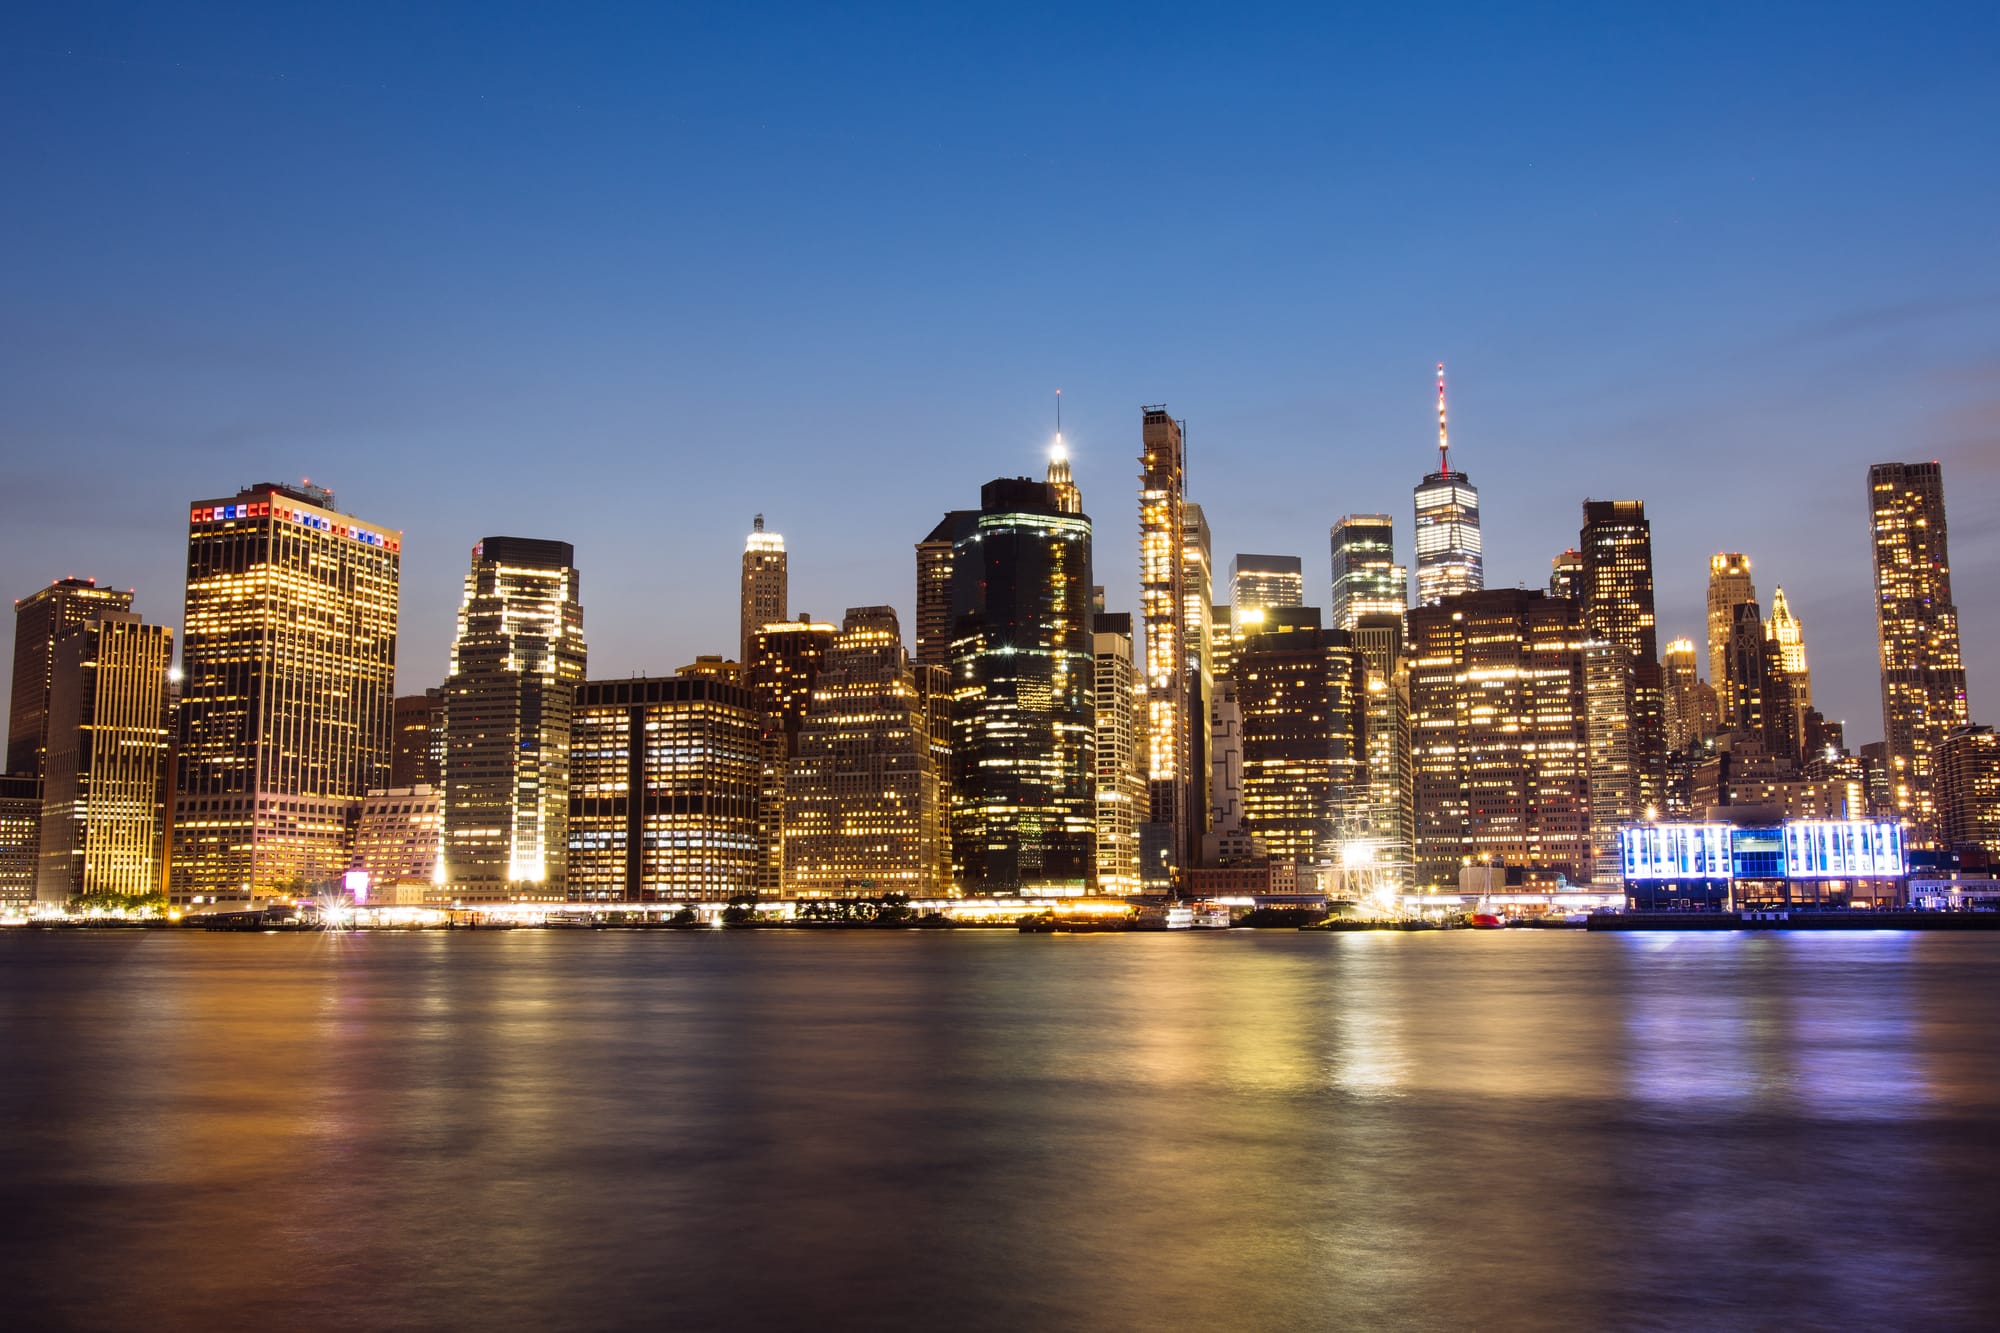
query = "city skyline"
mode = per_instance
[
  {"x": 1727, "y": 323},
  {"x": 1837, "y": 685}
]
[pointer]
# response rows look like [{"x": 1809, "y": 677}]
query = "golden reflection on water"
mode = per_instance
[{"x": 982, "y": 1129}]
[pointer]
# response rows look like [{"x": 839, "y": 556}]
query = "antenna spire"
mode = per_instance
[
  {"x": 1068, "y": 499},
  {"x": 1444, "y": 441}
]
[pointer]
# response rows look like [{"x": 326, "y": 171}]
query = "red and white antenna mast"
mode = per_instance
[{"x": 1444, "y": 443}]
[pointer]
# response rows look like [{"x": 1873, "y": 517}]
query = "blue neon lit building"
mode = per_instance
[{"x": 1714, "y": 865}]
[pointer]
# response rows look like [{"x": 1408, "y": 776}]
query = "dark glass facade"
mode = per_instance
[{"x": 1023, "y": 804}]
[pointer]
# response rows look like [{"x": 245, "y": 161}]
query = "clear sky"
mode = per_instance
[{"x": 624, "y": 276}]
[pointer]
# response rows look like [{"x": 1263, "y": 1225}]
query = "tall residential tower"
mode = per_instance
[
  {"x": 1167, "y": 839},
  {"x": 1923, "y": 676}
]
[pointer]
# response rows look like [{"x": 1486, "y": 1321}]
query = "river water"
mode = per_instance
[{"x": 947, "y": 1130}]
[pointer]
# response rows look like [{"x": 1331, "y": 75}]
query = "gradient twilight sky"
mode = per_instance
[{"x": 624, "y": 276}]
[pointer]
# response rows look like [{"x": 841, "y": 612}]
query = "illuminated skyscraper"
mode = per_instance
[
  {"x": 1566, "y": 575},
  {"x": 20, "y": 842},
  {"x": 1197, "y": 633},
  {"x": 515, "y": 666},
  {"x": 785, "y": 660},
  {"x": 42, "y": 620},
  {"x": 1923, "y": 676},
  {"x": 1789, "y": 639},
  {"x": 865, "y": 802},
  {"x": 1121, "y": 786},
  {"x": 1390, "y": 825},
  {"x": 1617, "y": 582},
  {"x": 1760, "y": 696},
  {"x": 1367, "y": 581},
  {"x": 1222, "y": 641},
  {"x": 1448, "y": 550},
  {"x": 1068, "y": 498},
  {"x": 1258, "y": 582},
  {"x": 1167, "y": 840},
  {"x": 1023, "y": 807},
  {"x": 1499, "y": 725},
  {"x": 1729, "y": 585},
  {"x": 1617, "y": 600},
  {"x": 663, "y": 790},
  {"x": 764, "y": 584},
  {"x": 288, "y": 656},
  {"x": 1302, "y": 691},
  {"x": 1609, "y": 734},
  {"x": 1690, "y": 705},
  {"x": 1966, "y": 764},
  {"x": 104, "y": 779}
]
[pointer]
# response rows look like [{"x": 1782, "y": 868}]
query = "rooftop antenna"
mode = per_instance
[{"x": 1444, "y": 443}]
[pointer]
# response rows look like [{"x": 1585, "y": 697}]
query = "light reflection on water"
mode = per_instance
[{"x": 986, "y": 1130}]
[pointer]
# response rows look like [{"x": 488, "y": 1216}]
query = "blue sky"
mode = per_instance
[{"x": 625, "y": 276}]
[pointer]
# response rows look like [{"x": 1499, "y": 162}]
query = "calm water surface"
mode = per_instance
[{"x": 987, "y": 1130}]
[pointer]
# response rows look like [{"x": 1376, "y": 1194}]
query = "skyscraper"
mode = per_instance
[
  {"x": 288, "y": 657},
  {"x": 1121, "y": 786},
  {"x": 1498, "y": 725},
  {"x": 1302, "y": 691},
  {"x": 1617, "y": 584},
  {"x": 1068, "y": 498},
  {"x": 1690, "y": 705},
  {"x": 1167, "y": 841},
  {"x": 865, "y": 802},
  {"x": 105, "y": 774},
  {"x": 1758, "y": 702},
  {"x": 1923, "y": 676},
  {"x": 663, "y": 790},
  {"x": 1197, "y": 635},
  {"x": 1789, "y": 638},
  {"x": 42, "y": 620},
  {"x": 1366, "y": 578},
  {"x": 20, "y": 842},
  {"x": 1566, "y": 574},
  {"x": 1966, "y": 764},
  {"x": 764, "y": 585},
  {"x": 785, "y": 661},
  {"x": 1616, "y": 543},
  {"x": 515, "y": 665},
  {"x": 934, "y": 586},
  {"x": 1023, "y": 729},
  {"x": 418, "y": 724},
  {"x": 1448, "y": 549},
  {"x": 1263, "y": 581},
  {"x": 1390, "y": 825},
  {"x": 1225, "y": 765},
  {"x": 1610, "y": 737},
  {"x": 1729, "y": 585}
]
